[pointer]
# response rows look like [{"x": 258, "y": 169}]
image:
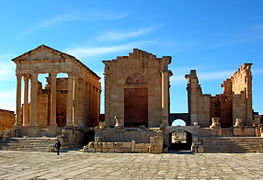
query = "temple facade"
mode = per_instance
[{"x": 71, "y": 102}]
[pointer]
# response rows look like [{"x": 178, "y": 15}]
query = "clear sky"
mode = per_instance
[{"x": 214, "y": 37}]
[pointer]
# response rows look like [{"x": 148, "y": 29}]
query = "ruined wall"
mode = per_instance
[
  {"x": 242, "y": 94},
  {"x": 198, "y": 103},
  {"x": 7, "y": 119},
  {"x": 138, "y": 70},
  {"x": 235, "y": 102}
]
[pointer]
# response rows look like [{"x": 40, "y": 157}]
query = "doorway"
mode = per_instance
[{"x": 135, "y": 107}]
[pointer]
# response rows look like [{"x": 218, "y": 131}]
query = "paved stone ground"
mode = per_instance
[{"x": 78, "y": 165}]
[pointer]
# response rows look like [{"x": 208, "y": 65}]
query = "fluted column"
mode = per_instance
[
  {"x": 53, "y": 99},
  {"x": 25, "y": 107},
  {"x": 70, "y": 100},
  {"x": 33, "y": 121},
  {"x": 18, "y": 99},
  {"x": 165, "y": 96}
]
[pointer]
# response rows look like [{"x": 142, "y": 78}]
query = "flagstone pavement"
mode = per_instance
[{"x": 79, "y": 165}]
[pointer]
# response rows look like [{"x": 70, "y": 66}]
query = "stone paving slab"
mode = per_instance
[{"x": 79, "y": 165}]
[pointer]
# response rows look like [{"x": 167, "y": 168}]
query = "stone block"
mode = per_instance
[
  {"x": 110, "y": 145},
  {"x": 91, "y": 145},
  {"x": 91, "y": 149}
]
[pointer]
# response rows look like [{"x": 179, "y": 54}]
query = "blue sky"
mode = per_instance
[{"x": 212, "y": 36}]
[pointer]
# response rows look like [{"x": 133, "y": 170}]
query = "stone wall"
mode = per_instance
[
  {"x": 198, "y": 103},
  {"x": 155, "y": 145},
  {"x": 7, "y": 119},
  {"x": 234, "y": 102},
  {"x": 125, "y": 135},
  {"x": 242, "y": 94},
  {"x": 139, "y": 70}
]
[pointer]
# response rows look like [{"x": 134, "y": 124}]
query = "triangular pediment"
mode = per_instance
[{"x": 42, "y": 53}]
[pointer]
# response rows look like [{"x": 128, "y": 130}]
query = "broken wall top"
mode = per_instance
[{"x": 142, "y": 56}]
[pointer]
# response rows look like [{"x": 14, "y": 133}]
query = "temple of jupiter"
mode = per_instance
[{"x": 72, "y": 102}]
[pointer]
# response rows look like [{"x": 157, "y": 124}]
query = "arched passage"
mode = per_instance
[{"x": 180, "y": 138}]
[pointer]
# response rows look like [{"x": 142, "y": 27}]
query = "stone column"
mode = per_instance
[
  {"x": 33, "y": 121},
  {"x": 25, "y": 110},
  {"x": 75, "y": 94},
  {"x": 165, "y": 96},
  {"x": 98, "y": 106},
  {"x": 53, "y": 99},
  {"x": 92, "y": 104},
  {"x": 18, "y": 100},
  {"x": 70, "y": 100}
]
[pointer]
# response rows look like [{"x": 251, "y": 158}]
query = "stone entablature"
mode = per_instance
[
  {"x": 82, "y": 88},
  {"x": 143, "y": 75}
]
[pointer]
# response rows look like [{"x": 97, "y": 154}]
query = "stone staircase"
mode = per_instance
[
  {"x": 27, "y": 144},
  {"x": 232, "y": 144}
]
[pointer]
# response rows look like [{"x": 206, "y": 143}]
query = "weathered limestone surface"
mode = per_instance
[
  {"x": 7, "y": 119},
  {"x": 235, "y": 102},
  {"x": 140, "y": 77},
  {"x": 63, "y": 102},
  {"x": 78, "y": 165}
]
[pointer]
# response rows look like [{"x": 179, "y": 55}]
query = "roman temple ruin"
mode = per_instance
[{"x": 137, "y": 107}]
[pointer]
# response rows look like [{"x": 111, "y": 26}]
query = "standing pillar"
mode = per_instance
[
  {"x": 98, "y": 106},
  {"x": 70, "y": 100},
  {"x": 33, "y": 115},
  {"x": 92, "y": 105},
  {"x": 25, "y": 110},
  {"x": 75, "y": 101},
  {"x": 18, "y": 100},
  {"x": 53, "y": 99},
  {"x": 95, "y": 107},
  {"x": 165, "y": 96}
]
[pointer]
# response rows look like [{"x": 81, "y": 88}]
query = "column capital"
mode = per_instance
[
  {"x": 18, "y": 75},
  {"x": 26, "y": 76}
]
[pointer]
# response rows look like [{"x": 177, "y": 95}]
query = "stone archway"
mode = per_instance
[{"x": 180, "y": 136}]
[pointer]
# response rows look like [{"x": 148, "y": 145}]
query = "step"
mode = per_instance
[{"x": 28, "y": 143}]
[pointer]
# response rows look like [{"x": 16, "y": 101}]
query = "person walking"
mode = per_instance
[{"x": 57, "y": 146}]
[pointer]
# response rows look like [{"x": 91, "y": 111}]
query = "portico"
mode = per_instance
[{"x": 41, "y": 104}]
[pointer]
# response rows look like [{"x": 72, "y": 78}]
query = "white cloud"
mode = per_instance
[
  {"x": 96, "y": 15},
  {"x": 82, "y": 52},
  {"x": 179, "y": 79},
  {"x": 121, "y": 35}
]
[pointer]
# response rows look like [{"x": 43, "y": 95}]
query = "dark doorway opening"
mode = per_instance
[
  {"x": 135, "y": 107},
  {"x": 180, "y": 139}
]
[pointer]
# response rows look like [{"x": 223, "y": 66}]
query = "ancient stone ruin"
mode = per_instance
[{"x": 137, "y": 107}]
